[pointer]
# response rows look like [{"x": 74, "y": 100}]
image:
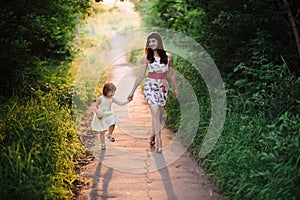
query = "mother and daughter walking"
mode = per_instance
[{"x": 159, "y": 65}]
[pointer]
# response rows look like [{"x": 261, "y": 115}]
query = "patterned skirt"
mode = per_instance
[{"x": 155, "y": 93}]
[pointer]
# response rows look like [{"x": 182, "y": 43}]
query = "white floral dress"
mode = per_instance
[
  {"x": 108, "y": 115},
  {"x": 155, "y": 90}
]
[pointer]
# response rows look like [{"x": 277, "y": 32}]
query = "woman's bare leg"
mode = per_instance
[
  {"x": 156, "y": 123},
  {"x": 152, "y": 134}
]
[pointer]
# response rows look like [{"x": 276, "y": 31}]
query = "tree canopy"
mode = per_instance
[{"x": 33, "y": 35}]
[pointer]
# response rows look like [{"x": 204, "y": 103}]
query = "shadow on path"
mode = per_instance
[
  {"x": 165, "y": 176},
  {"x": 105, "y": 183}
]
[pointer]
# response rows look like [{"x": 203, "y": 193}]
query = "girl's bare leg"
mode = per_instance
[
  {"x": 102, "y": 139},
  {"x": 156, "y": 123},
  {"x": 110, "y": 132}
]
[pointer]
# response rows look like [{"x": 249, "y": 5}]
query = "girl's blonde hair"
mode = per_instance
[{"x": 108, "y": 87}]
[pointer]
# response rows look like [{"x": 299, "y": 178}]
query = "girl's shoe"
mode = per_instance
[
  {"x": 158, "y": 150},
  {"x": 103, "y": 146},
  {"x": 111, "y": 138}
]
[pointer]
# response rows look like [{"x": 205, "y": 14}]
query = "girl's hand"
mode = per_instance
[{"x": 99, "y": 116}]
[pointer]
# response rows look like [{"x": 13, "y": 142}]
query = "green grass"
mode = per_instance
[
  {"x": 39, "y": 148},
  {"x": 257, "y": 155}
]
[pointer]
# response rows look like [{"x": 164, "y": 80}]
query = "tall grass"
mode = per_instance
[
  {"x": 39, "y": 144},
  {"x": 39, "y": 147},
  {"x": 257, "y": 155}
]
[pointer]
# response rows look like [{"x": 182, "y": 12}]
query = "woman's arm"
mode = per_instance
[
  {"x": 139, "y": 78},
  {"x": 171, "y": 74},
  {"x": 120, "y": 103}
]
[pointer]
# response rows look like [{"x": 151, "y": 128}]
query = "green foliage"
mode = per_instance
[
  {"x": 199, "y": 88},
  {"x": 38, "y": 141},
  {"x": 257, "y": 155},
  {"x": 268, "y": 89},
  {"x": 236, "y": 30},
  {"x": 39, "y": 147},
  {"x": 33, "y": 32},
  {"x": 230, "y": 31}
]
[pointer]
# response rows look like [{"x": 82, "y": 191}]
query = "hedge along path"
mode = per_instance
[{"x": 128, "y": 168}]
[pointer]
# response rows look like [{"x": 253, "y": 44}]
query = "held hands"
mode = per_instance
[{"x": 130, "y": 97}]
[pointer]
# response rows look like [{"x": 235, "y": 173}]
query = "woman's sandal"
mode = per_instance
[
  {"x": 158, "y": 150},
  {"x": 103, "y": 146},
  {"x": 152, "y": 143},
  {"x": 111, "y": 138}
]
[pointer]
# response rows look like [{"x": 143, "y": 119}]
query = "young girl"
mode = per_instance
[{"x": 104, "y": 118}]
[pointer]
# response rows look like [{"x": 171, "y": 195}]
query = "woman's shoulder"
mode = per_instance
[
  {"x": 169, "y": 54},
  {"x": 145, "y": 60}
]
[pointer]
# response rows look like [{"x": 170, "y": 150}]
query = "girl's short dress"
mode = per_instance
[
  {"x": 108, "y": 115},
  {"x": 156, "y": 90}
]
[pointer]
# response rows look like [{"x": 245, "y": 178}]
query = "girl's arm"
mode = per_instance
[
  {"x": 139, "y": 78},
  {"x": 95, "y": 107},
  {"x": 120, "y": 103},
  {"x": 171, "y": 74}
]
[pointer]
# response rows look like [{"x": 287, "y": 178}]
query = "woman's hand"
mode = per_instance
[
  {"x": 130, "y": 96},
  {"x": 176, "y": 95}
]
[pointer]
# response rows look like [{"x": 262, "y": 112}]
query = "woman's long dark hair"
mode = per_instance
[{"x": 160, "y": 49}]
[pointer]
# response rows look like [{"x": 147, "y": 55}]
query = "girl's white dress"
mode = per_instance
[{"x": 108, "y": 115}]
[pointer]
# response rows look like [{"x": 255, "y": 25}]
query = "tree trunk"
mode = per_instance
[{"x": 293, "y": 24}]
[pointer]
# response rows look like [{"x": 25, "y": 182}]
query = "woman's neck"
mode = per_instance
[{"x": 155, "y": 53}]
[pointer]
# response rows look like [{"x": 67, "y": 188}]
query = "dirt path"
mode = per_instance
[{"x": 129, "y": 168}]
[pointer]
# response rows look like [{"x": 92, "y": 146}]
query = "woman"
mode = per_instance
[{"x": 159, "y": 65}]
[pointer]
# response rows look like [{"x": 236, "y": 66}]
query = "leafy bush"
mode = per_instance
[
  {"x": 268, "y": 89},
  {"x": 39, "y": 147},
  {"x": 199, "y": 88},
  {"x": 33, "y": 32},
  {"x": 257, "y": 155}
]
